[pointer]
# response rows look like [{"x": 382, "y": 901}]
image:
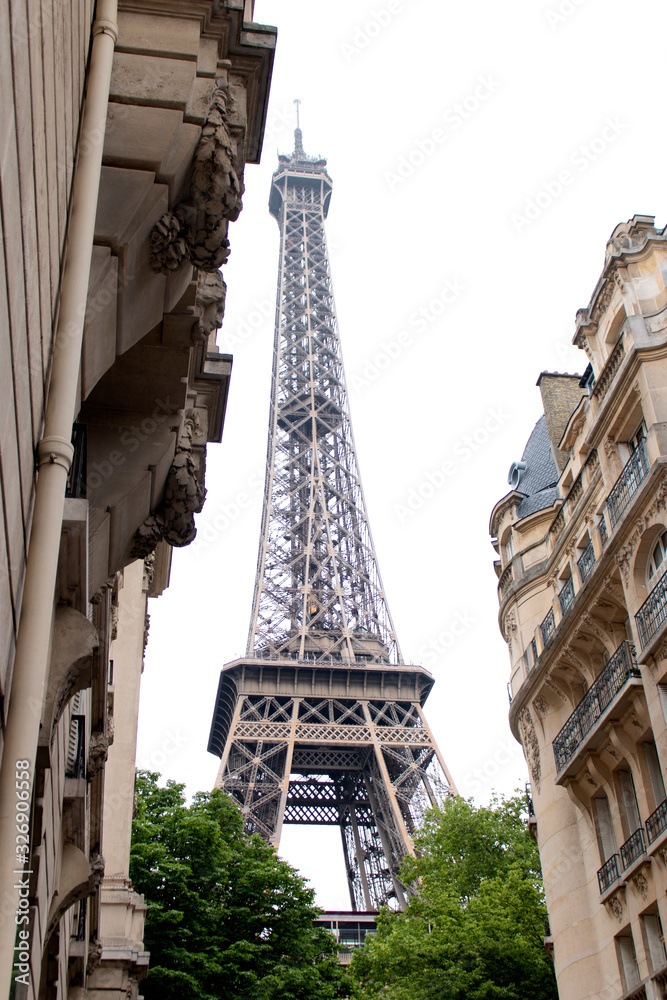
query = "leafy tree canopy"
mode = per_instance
[
  {"x": 475, "y": 930},
  {"x": 227, "y": 918}
]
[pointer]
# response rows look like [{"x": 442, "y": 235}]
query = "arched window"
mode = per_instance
[{"x": 656, "y": 564}]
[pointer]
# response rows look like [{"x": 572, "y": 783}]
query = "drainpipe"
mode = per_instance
[{"x": 54, "y": 457}]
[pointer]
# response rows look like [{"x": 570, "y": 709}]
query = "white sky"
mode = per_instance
[{"x": 482, "y": 106}]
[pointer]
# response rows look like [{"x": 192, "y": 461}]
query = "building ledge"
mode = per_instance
[{"x": 615, "y": 888}]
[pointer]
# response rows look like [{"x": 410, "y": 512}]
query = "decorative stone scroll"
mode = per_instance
[
  {"x": 196, "y": 230},
  {"x": 531, "y": 746},
  {"x": 174, "y": 519}
]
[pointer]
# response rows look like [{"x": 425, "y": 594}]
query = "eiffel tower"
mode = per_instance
[{"x": 321, "y": 721}]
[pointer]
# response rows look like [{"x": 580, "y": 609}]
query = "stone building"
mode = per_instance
[
  {"x": 582, "y": 545},
  {"x": 124, "y": 134}
]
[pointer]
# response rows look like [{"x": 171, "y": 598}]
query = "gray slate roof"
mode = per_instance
[{"x": 539, "y": 479}]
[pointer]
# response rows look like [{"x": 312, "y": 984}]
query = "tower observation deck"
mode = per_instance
[{"x": 321, "y": 722}]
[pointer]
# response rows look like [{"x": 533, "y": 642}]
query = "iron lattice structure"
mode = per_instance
[{"x": 321, "y": 722}]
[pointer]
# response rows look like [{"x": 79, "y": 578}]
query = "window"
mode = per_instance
[
  {"x": 605, "y": 828},
  {"x": 656, "y": 563},
  {"x": 655, "y": 941},
  {"x": 655, "y": 772},
  {"x": 629, "y": 807},
  {"x": 637, "y": 438},
  {"x": 509, "y": 549},
  {"x": 628, "y": 962}
]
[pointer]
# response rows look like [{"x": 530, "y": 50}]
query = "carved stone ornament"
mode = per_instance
[
  {"x": 622, "y": 559},
  {"x": 174, "y": 519},
  {"x": 114, "y": 622},
  {"x": 531, "y": 746},
  {"x": 632, "y": 240},
  {"x": 147, "y": 625},
  {"x": 211, "y": 294},
  {"x": 149, "y": 571},
  {"x": 613, "y": 753},
  {"x": 555, "y": 688},
  {"x": 509, "y": 628},
  {"x": 610, "y": 449},
  {"x": 94, "y": 956},
  {"x": 96, "y": 872},
  {"x": 641, "y": 884},
  {"x": 604, "y": 298},
  {"x": 616, "y": 907},
  {"x": 98, "y": 751},
  {"x": 541, "y": 706},
  {"x": 196, "y": 230},
  {"x": 663, "y": 855}
]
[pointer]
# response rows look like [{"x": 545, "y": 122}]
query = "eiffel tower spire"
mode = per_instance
[
  {"x": 318, "y": 591},
  {"x": 321, "y": 722}
]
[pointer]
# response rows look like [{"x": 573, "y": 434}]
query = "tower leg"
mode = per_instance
[
  {"x": 360, "y": 859},
  {"x": 284, "y": 785},
  {"x": 349, "y": 867},
  {"x": 386, "y": 846}
]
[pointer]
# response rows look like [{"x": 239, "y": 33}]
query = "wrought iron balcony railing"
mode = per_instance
[
  {"x": 633, "y": 848},
  {"x": 627, "y": 484},
  {"x": 609, "y": 873},
  {"x": 611, "y": 679},
  {"x": 653, "y": 613},
  {"x": 566, "y": 595},
  {"x": 657, "y": 822},
  {"x": 548, "y": 627},
  {"x": 586, "y": 562}
]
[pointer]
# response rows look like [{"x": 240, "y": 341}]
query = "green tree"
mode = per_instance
[
  {"x": 227, "y": 918},
  {"x": 474, "y": 930}
]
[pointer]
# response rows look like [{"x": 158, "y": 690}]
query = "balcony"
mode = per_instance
[
  {"x": 633, "y": 848},
  {"x": 601, "y": 694},
  {"x": 586, "y": 562},
  {"x": 505, "y": 579},
  {"x": 606, "y": 376},
  {"x": 627, "y": 484},
  {"x": 653, "y": 613},
  {"x": 566, "y": 596},
  {"x": 657, "y": 822},
  {"x": 609, "y": 873},
  {"x": 548, "y": 627}
]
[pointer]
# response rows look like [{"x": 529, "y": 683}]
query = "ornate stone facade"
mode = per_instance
[
  {"x": 591, "y": 631},
  {"x": 187, "y": 99}
]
